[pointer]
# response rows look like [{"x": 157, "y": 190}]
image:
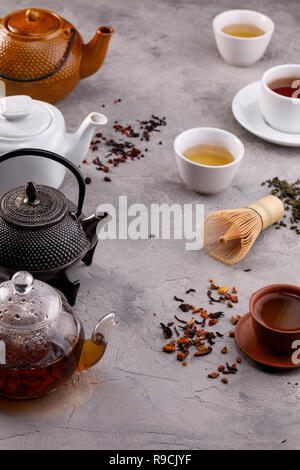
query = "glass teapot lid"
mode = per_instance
[
  {"x": 28, "y": 304},
  {"x": 21, "y": 116}
]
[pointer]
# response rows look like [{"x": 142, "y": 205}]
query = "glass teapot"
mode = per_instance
[{"x": 41, "y": 340}]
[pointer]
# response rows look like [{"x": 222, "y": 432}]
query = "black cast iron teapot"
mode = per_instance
[{"x": 42, "y": 232}]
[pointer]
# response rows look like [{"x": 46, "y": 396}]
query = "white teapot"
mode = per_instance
[{"x": 25, "y": 122}]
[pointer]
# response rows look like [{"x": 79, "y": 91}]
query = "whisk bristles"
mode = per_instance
[{"x": 229, "y": 234}]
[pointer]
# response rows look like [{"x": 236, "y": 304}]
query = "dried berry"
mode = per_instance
[
  {"x": 234, "y": 320},
  {"x": 213, "y": 375},
  {"x": 170, "y": 347},
  {"x": 223, "y": 290},
  {"x": 182, "y": 355},
  {"x": 204, "y": 351},
  {"x": 197, "y": 310}
]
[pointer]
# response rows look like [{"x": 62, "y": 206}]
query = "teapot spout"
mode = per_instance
[
  {"x": 79, "y": 142},
  {"x": 93, "y": 53},
  {"x": 94, "y": 348},
  {"x": 93, "y": 224}
]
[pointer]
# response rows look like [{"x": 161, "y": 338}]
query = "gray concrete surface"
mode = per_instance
[{"x": 163, "y": 60}]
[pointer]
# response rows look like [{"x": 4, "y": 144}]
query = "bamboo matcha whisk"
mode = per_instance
[{"x": 229, "y": 234}]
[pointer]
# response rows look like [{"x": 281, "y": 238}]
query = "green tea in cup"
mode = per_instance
[
  {"x": 210, "y": 155},
  {"x": 243, "y": 30}
]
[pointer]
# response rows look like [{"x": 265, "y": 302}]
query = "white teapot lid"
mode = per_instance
[{"x": 21, "y": 116}]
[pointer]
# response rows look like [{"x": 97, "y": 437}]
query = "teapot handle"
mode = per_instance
[{"x": 57, "y": 158}]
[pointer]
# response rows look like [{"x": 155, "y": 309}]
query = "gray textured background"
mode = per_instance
[{"x": 163, "y": 60}]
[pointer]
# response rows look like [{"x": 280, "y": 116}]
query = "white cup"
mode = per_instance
[
  {"x": 204, "y": 178},
  {"x": 242, "y": 51},
  {"x": 280, "y": 112}
]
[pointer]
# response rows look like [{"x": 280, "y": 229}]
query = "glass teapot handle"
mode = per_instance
[{"x": 57, "y": 158}]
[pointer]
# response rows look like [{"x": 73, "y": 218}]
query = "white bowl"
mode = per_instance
[
  {"x": 280, "y": 112},
  {"x": 242, "y": 51},
  {"x": 204, "y": 178}
]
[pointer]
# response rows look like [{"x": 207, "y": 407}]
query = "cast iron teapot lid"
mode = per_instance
[
  {"x": 27, "y": 304},
  {"x": 33, "y": 206}
]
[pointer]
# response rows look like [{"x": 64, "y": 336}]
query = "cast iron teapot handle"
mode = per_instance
[{"x": 57, "y": 158}]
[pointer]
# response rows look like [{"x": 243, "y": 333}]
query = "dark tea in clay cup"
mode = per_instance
[{"x": 275, "y": 311}]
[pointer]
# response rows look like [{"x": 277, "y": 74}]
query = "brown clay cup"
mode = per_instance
[{"x": 278, "y": 340}]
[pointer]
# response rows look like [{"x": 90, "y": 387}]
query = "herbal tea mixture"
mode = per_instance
[
  {"x": 289, "y": 193},
  {"x": 191, "y": 335},
  {"x": 116, "y": 151}
]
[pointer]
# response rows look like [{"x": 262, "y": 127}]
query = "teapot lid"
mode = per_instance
[
  {"x": 33, "y": 206},
  {"x": 33, "y": 22},
  {"x": 26, "y": 303},
  {"x": 21, "y": 116}
]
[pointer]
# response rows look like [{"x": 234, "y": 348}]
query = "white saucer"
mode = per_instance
[{"x": 245, "y": 108}]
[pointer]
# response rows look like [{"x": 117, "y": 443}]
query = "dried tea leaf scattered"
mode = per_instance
[
  {"x": 121, "y": 150},
  {"x": 289, "y": 194},
  {"x": 179, "y": 319},
  {"x": 216, "y": 315},
  {"x": 231, "y": 368},
  {"x": 190, "y": 338},
  {"x": 166, "y": 331},
  {"x": 186, "y": 307}
]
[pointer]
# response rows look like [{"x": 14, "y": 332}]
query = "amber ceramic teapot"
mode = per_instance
[
  {"x": 42, "y": 55},
  {"x": 41, "y": 340}
]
